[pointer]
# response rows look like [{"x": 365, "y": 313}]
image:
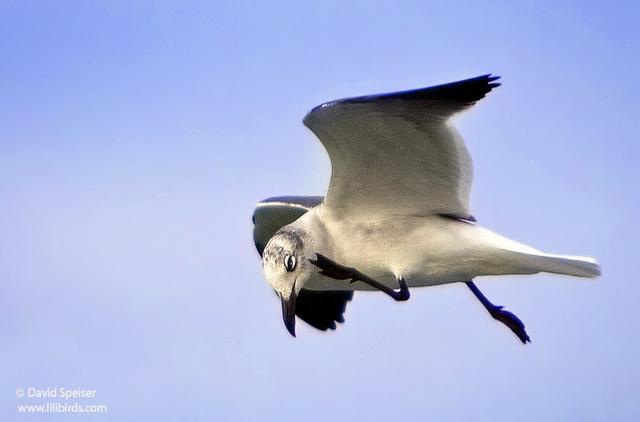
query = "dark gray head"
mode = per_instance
[{"x": 287, "y": 268}]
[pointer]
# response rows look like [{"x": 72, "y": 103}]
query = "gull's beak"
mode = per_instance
[{"x": 289, "y": 311}]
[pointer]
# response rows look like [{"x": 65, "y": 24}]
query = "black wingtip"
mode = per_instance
[
  {"x": 490, "y": 82},
  {"x": 322, "y": 308},
  {"x": 465, "y": 93}
]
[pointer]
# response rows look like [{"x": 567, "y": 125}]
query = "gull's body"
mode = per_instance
[
  {"x": 425, "y": 251},
  {"x": 396, "y": 212}
]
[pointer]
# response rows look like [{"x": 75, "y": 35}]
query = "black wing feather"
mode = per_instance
[
  {"x": 322, "y": 309},
  {"x": 458, "y": 95}
]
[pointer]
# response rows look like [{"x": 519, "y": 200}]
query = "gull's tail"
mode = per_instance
[
  {"x": 578, "y": 266},
  {"x": 519, "y": 258},
  {"x": 498, "y": 255}
]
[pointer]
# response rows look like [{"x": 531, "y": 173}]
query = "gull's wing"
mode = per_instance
[
  {"x": 320, "y": 309},
  {"x": 273, "y": 213},
  {"x": 397, "y": 153}
]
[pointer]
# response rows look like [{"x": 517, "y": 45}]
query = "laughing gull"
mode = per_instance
[{"x": 396, "y": 214}]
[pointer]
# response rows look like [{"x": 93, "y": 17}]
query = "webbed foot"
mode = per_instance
[{"x": 510, "y": 320}]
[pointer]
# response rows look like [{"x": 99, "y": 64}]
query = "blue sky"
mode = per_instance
[{"x": 136, "y": 137}]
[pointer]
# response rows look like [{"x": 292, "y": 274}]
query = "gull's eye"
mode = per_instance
[{"x": 290, "y": 262}]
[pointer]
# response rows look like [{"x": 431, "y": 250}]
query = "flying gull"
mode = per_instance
[{"x": 396, "y": 214}]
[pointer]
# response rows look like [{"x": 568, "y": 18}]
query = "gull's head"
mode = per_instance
[{"x": 287, "y": 269}]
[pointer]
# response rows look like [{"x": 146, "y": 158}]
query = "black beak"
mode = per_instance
[{"x": 289, "y": 312}]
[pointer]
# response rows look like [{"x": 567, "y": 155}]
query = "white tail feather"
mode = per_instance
[{"x": 578, "y": 266}]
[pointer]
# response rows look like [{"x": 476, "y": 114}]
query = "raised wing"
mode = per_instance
[
  {"x": 320, "y": 309},
  {"x": 397, "y": 154}
]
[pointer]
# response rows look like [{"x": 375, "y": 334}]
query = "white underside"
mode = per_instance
[{"x": 426, "y": 251}]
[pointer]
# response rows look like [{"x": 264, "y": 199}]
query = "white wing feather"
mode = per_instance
[{"x": 397, "y": 154}]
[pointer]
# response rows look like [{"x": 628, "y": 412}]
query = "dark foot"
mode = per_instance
[
  {"x": 511, "y": 321},
  {"x": 499, "y": 314},
  {"x": 402, "y": 294},
  {"x": 332, "y": 269}
]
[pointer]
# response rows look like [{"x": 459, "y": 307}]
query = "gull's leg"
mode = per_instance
[
  {"x": 340, "y": 272},
  {"x": 498, "y": 313}
]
